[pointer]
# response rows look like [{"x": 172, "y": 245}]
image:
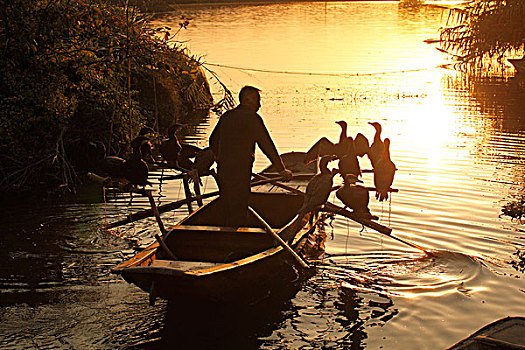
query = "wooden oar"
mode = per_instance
[
  {"x": 283, "y": 244},
  {"x": 330, "y": 207},
  {"x": 167, "y": 250}
]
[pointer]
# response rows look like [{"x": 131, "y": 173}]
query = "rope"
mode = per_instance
[
  {"x": 345, "y": 75},
  {"x": 105, "y": 207}
]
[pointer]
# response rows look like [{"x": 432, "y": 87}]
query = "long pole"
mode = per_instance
[{"x": 341, "y": 211}]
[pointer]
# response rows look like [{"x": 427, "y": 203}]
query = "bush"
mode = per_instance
[{"x": 74, "y": 71}]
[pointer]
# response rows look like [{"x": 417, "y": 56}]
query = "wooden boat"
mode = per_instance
[
  {"x": 518, "y": 64},
  {"x": 224, "y": 264},
  {"x": 505, "y": 333},
  {"x": 199, "y": 260}
]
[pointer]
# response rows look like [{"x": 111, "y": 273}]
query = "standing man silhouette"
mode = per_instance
[{"x": 233, "y": 142}]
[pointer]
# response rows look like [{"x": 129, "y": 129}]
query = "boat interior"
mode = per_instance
[{"x": 201, "y": 237}]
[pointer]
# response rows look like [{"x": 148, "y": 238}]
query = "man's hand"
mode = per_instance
[{"x": 286, "y": 174}]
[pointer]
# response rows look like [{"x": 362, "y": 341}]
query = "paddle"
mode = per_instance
[
  {"x": 330, "y": 207},
  {"x": 283, "y": 244},
  {"x": 148, "y": 193}
]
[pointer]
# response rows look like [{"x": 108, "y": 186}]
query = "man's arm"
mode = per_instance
[{"x": 267, "y": 146}]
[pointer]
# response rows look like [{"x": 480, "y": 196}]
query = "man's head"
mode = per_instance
[{"x": 249, "y": 96}]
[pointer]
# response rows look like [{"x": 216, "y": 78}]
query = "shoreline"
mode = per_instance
[{"x": 153, "y": 6}]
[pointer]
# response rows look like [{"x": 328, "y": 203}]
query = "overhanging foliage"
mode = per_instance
[
  {"x": 74, "y": 71},
  {"x": 485, "y": 29}
]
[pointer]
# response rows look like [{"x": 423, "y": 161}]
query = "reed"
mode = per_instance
[{"x": 485, "y": 30}]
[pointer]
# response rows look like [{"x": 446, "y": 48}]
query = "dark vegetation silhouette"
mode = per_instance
[
  {"x": 484, "y": 29},
  {"x": 80, "y": 71}
]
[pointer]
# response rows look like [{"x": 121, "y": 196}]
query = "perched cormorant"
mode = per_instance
[
  {"x": 111, "y": 166},
  {"x": 178, "y": 155},
  {"x": 325, "y": 147},
  {"x": 135, "y": 168},
  {"x": 377, "y": 147},
  {"x": 341, "y": 147},
  {"x": 319, "y": 187},
  {"x": 354, "y": 196},
  {"x": 349, "y": 164},
  {"x": 170, "y": 148},
  {"x": 361, "y": 145},
  {"x": 145, "y": 145},
  {"x": 203, "y": 163},
  {"x": 344, "y": 128},
  {"x": 187, "y": 152},
  {"x": 384, "y": 173}
]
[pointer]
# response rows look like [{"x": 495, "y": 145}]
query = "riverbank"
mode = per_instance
[
  {"x": 83, "y": 71},
  {"x": 170, "y": 5}
]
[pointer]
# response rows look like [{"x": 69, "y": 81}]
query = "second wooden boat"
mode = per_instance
[
  {"x": 518, "y": 64},
  {"x": 505, "y": 333}
]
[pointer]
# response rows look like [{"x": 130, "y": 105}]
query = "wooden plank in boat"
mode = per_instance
[
  {"x": 271, "y": 188},
  {"x": 183, "y": 265},
  {"x": 222, "y": 229},
  {"x": 216, "y": 243}
]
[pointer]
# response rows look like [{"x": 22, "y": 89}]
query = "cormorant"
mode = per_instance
[
  {"x": 178, "y": 155},
  {"x": 203, "y": 163},
  {"x": 377, "y": 147},
  {"x": 135, "y": 168},
  {"x": 341, "y": 147},
  {"x": 325, "y": 147},
  {"x": 319, "y": 187},
  {"x": 384, "y": 173},
  {"x": 145, "y": 145},
  {"x": 361, "y": 145},
  {"x": 354, "y": 196},
  {"x": 349, "y": 164},
  {"x": 170, "y": 148},
  {"x": 111, "y": 166},
  {"x": 186, "y": 153}
]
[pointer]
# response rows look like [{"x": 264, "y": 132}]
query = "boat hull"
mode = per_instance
[
  {"x": 253, "y": 281},
  {"x": 226, "y": 265},
  {"x": 505, "y": 333},
  {"x": 518, "y": 64}
]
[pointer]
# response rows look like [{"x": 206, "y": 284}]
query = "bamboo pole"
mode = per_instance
[
  {"x": 363, "y": 221},
  {"x": 159, "y": 239},
  {"x": 156, "y": 213},
  {"x": 162, "y": 209},
  {"x": 330, "y": 207}
]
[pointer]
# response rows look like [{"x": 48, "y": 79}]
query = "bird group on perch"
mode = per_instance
[
  {"x": 347, "y": 150},
  {"x": 170, "y": 153}
]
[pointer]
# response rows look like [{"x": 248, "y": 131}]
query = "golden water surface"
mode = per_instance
[{"x": 457, "y": 141}]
